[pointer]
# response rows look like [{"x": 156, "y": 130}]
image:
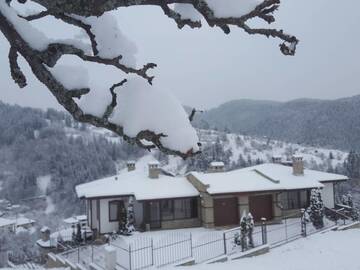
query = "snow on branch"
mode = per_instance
[{"x": 132, "y": 108}]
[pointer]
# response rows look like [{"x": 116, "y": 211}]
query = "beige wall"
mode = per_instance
[
  {"x": 327, "y": 194},
  {"x": 207, "y": 207},
  {"x": 181, "y": 223}
]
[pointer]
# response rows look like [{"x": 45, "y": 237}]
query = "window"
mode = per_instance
[
  {"x": 116, "y": 209},
  {"x": 179, "y": 209},
  {"x": 167, "y": 210},
  {"x": 295, "y": 199}
]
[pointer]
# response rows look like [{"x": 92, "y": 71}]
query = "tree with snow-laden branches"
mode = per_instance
[
  {"x": 250, "y": 229},
  {"x": 316, "y": 209},
  {"x": 123, "y": 106},
  {"x": 130, "y": 216}
]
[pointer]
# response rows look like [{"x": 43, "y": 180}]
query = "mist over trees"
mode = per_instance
[{"x": 38, "y": 145}]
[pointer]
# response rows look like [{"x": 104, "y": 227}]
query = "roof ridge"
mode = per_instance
[{"x": 266, "y": 177}]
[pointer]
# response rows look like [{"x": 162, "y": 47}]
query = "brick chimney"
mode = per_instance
[
  {"x": 154, "y": 170},
  {"x": 130, "y": 165},
  {"x": 216, "y": 166},
  {"x": 276, "y": 159},
  {"x": 298, "y": 165}
]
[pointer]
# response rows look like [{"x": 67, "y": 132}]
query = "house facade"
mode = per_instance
[
  {"x": 270, "y": 191},
  {"x": 212, "y": 199},
  {"x": 160, "y": 200}
]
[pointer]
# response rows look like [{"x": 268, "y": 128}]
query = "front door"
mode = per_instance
[
  {"x": 152, "y": 214},
  {"x": 226, "y": 211},
  {"x": 261, "y": 207}
]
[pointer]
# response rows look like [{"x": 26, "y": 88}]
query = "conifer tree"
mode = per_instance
[
  {"x": 130, "y": 223},
  {"x": 316, "y": 209},
  {"x": 250, "y": 228}
]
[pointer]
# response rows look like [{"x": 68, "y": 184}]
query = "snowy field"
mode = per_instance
[
  {"x": 160, "y": 248},
  {"x": 328, "y": 251}
]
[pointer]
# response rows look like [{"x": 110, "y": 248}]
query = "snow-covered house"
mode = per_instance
[
  {"x": 25, "y": 223},
  {"x": 211, "y": 199},
  {"x": 270, "y": 191},
  {"x": 7, "y": 225},
  {"x": 72, "y": 222},
  {"x": 161, "y": 200}
]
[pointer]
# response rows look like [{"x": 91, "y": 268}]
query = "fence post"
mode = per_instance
[
  {"x": 263, "y": 231},
  {"x": 286, "y": 232},
  {"x": 130, "y": 256},
  {"x": 303, "y": 223},
  {"x": 152, "y": 252},
  {"x": 224, "y": 238},
  {"x": 191, "y": 250}
]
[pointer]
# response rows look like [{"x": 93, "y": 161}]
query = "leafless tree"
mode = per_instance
[{"x": 73, "y": 11}]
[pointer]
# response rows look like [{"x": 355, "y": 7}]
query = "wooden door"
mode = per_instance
[
  {"x": 226, "y": 211},
  {"x": 261, "y": 207}
]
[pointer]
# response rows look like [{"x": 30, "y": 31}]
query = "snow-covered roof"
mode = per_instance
[
  {"x": 138, "y": 184},
  {"x": 44, "y": 229},
  {"x": 21, "y": 221},
  {"x": 76, "y": 219},
  {"x": 6, "y": 222},
  {"x": 217, "y": 164},
  {"x": 265, "y": 177}
]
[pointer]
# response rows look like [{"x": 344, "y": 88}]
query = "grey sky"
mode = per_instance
[{"x": 205, "y": 68}]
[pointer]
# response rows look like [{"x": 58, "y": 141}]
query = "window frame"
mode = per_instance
[
  {"x": 192, "y": 211},
  {"x": 118, "y": 203},
  {"x": 287, "y": 202}
]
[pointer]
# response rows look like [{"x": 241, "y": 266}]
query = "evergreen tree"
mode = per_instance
[
  {"x": 316, "y": 209},
  {"x": 130, "y": 227},
  {"x": 352, "y": 165},
  {"x": 250, "y": 227},
  {"x": 78, "y": 236},
  {"x": 243, "y": 232}
]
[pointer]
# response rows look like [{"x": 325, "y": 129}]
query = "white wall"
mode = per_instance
[
  {"x": 94, "y": 220},
  {"x": 327, "y": 194},
  {"x": 106, "y": 225}
]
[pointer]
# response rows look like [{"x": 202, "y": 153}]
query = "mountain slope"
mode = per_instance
[{"x": 326, "y": 123}]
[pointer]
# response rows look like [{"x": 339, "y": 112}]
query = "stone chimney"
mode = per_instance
[
  {"x": 130, "y": 165},
  {"x": 216, "y": 166},
  {"x": 45, "y": 234},
  {"x": 298, "y": 165},
  {"x": 276, "y": 159},
  {"x": 154, "y": 170}
]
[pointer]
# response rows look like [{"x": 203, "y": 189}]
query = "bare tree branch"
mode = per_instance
[
  {"x": 110, "y": 108},
  {"x": 177, "y": 18},
  {"x": 16, "y": 73},
  {"x": 192, "y": 114},
  {"x": 65, "y": 96},
  {"x": 73, "y": 12}
]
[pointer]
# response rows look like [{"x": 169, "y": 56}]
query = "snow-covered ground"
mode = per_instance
[{"x": 334, "y": 250}]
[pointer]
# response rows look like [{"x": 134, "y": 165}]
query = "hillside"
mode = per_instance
[
  {"x": 44, "y": 154},
  {"x": 325, "y": 123}
]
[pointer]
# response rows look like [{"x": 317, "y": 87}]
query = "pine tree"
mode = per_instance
[
  {"x": 78, "y": 237},
  {"x": 243, "y": 232},
  {"x": 250, "y": 227},
  {"x": 316, "y": 209},
  {"x": 130, "y": 227}
]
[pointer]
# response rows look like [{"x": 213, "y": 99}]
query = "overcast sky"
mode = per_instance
[{"x": 205, "y": 68}]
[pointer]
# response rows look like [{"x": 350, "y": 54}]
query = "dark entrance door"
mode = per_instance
[
  {"x": 261, "y": 207},
  {"x": 226, "y": 211},
  {"x": 152, "y": 214}
]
